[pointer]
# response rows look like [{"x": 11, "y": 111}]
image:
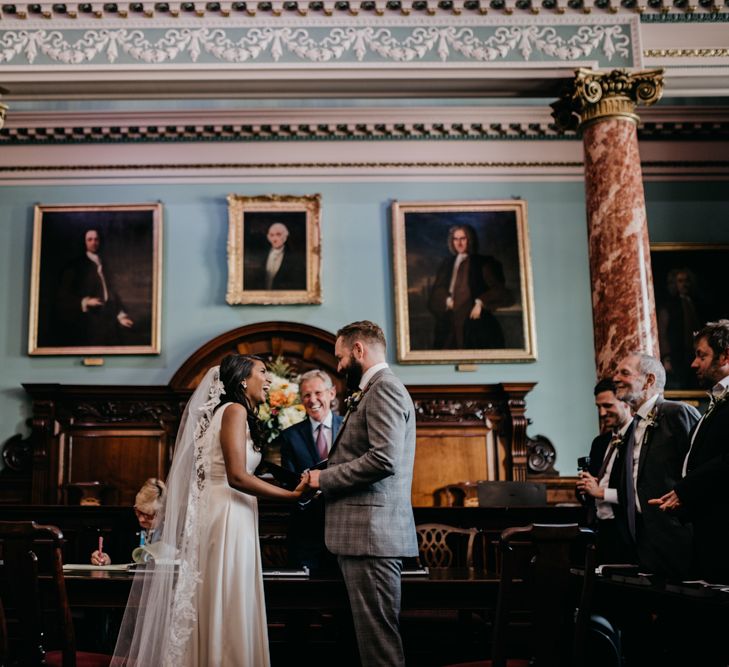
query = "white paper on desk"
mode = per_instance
[
  {"x": 87, "y": 567},
  {"x": 706, "y": 584},
  {"x": 285, "y": 573}
]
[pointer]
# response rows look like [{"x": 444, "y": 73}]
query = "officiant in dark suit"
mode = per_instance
[{"x": 303, "y": 445}]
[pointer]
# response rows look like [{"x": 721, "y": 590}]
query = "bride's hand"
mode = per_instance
[{"x": 302, "y": 486}]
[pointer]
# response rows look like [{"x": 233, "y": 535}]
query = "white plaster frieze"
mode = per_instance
[{"x": 606, "y": 41}]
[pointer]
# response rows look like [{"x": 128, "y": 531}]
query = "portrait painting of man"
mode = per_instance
[
  {"x": 688, "y": 284},
  {"x": 463, "y": 285},
  {"x": 96, "y": 280},
  {"x": 273, "y": 249}
]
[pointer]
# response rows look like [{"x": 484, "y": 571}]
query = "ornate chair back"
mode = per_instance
[
  {"x": 33, "y": 596},
  {"x": 441, "y": 545}
]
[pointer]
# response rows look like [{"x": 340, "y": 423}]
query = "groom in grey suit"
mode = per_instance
[{"x": 367, "y": 486}]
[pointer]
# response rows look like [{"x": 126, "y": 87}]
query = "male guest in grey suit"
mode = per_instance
[
  {"x": 652, "y": 465},
  {"x": 303, "y": 446},
  {"x": 367, "y": 486}
]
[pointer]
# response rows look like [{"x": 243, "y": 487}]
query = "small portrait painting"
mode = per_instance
[
  {"x": 273, "y": 249},
  {"x": 689, "y": 288},
  {"x": 96, "y": 277},
  {"x": 463, "y": 282}
]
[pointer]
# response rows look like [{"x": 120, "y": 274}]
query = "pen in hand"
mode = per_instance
[{"x": 99, "y": 557}]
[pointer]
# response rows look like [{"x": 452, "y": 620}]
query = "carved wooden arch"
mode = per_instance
[{"x": 302, "y": 346}]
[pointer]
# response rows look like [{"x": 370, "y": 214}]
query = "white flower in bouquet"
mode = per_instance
[
  {"x": 290, "y": 416},
  {"x": 283, "y": 407}
]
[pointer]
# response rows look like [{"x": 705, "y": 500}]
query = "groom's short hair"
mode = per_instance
[{"x": 364, "y": 331}]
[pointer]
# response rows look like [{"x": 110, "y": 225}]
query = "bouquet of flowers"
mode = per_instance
[{"x": 283, "y": 407}]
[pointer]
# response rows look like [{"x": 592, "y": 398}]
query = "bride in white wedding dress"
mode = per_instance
[{"x": 201, "y": 603}]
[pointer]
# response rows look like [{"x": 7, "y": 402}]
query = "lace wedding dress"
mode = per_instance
[
  {"x": 201, "y": 602},
  {"x": 231, "y": 610}
]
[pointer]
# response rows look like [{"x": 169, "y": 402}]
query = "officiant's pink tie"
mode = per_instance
[{"x": 321, "y": 443}]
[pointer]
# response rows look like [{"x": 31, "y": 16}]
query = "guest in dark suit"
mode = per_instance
[
  {"x": 89, "y": 310},
  {"x": 701, "y": 493},
  {"x": 367, "y": 487},
  {"x": 280, "y": 268},
  {"x": 468, "y": 287},
  {"x": 303, "y": 446},
  {"x": 652, "y": 465},
  {"x": 600, "y": 483}
]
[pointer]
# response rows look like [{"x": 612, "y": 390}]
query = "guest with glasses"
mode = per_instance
[{"x": 147, "y": 503}]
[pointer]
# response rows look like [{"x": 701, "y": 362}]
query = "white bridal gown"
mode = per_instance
[{"x": 231, "y": 611}]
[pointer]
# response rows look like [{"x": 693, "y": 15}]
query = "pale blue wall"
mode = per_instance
[{"x": 357, "y": 283}]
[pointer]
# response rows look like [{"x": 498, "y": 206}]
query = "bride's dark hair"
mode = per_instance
[{"x": 234, "y": 369}]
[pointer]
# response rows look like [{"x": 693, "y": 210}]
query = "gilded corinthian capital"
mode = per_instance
[{"x": 597, "y": 95}]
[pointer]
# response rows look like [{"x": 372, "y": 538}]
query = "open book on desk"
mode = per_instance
[
  {"x": 286, "y": 573},
  {"x": 88, "y": 567}
]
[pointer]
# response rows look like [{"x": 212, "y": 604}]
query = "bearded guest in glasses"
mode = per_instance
[{"x": 147, "y": 503}]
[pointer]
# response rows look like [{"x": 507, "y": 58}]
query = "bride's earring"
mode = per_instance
[{"x": 245, "y": 386}]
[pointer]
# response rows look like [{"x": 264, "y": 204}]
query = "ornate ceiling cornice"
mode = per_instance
[
  {"x": 663, "y": 10},
  {"x": 386, "y": 124}
]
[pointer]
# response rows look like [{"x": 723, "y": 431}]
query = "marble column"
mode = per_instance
[{"x": 602, "y": 106}]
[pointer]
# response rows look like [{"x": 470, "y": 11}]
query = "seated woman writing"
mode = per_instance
[{"x": 146, "y": 505}]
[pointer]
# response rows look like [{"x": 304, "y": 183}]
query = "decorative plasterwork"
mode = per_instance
[
  {"x": 512, "y": 123},
  {"x": 605, "y": 41},
  {"x": 687, "y": 53},
  {"x": 375, "y": 131}
]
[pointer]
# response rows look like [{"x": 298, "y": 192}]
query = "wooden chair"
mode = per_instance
[
  {"x": 542, "y": 613},
  {"x": 441, "y": 545},
  {"x": 34, "y": 601}
]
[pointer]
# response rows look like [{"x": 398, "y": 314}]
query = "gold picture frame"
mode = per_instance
[
  {"x": 689, "y": 290},
  {"x": 432, "y": 329},
  {"x": 96, "y": 279},
  {"x": 274, "y": 249}
]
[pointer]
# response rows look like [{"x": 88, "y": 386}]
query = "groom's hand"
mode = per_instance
[{"x": 314, "y": 479}]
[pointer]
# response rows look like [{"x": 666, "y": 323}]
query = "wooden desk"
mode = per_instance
[
  {"x": 313, "y": 612},
  {"x": 447, "y": 588},
  {"x": 665, "y": 623}
]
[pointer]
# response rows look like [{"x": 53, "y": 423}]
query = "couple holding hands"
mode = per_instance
[{"x": 202, "y": 604}]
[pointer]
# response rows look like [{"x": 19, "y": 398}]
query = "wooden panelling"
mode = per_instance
[
  {"x": 119, "y": 435},
  {"x": 446, "y": 456},
  {"x": 119, "y": 458}
]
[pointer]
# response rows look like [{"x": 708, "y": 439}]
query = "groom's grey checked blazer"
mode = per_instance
[{"x": 367, "y": 483}]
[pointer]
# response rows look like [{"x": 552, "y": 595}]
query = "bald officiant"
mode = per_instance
[{"x": 303, "y": 446}]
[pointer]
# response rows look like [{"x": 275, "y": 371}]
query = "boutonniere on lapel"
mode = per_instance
[
  {"x": 352, "y": 401},
  {"x": 651, "y": 419},
  {"x": 715, "y": 401}
]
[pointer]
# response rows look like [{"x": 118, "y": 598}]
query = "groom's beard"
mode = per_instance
[{"x": 353, "y": 374}]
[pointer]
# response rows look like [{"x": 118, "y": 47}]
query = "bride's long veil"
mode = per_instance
[{"x": 161, "y": 610}]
